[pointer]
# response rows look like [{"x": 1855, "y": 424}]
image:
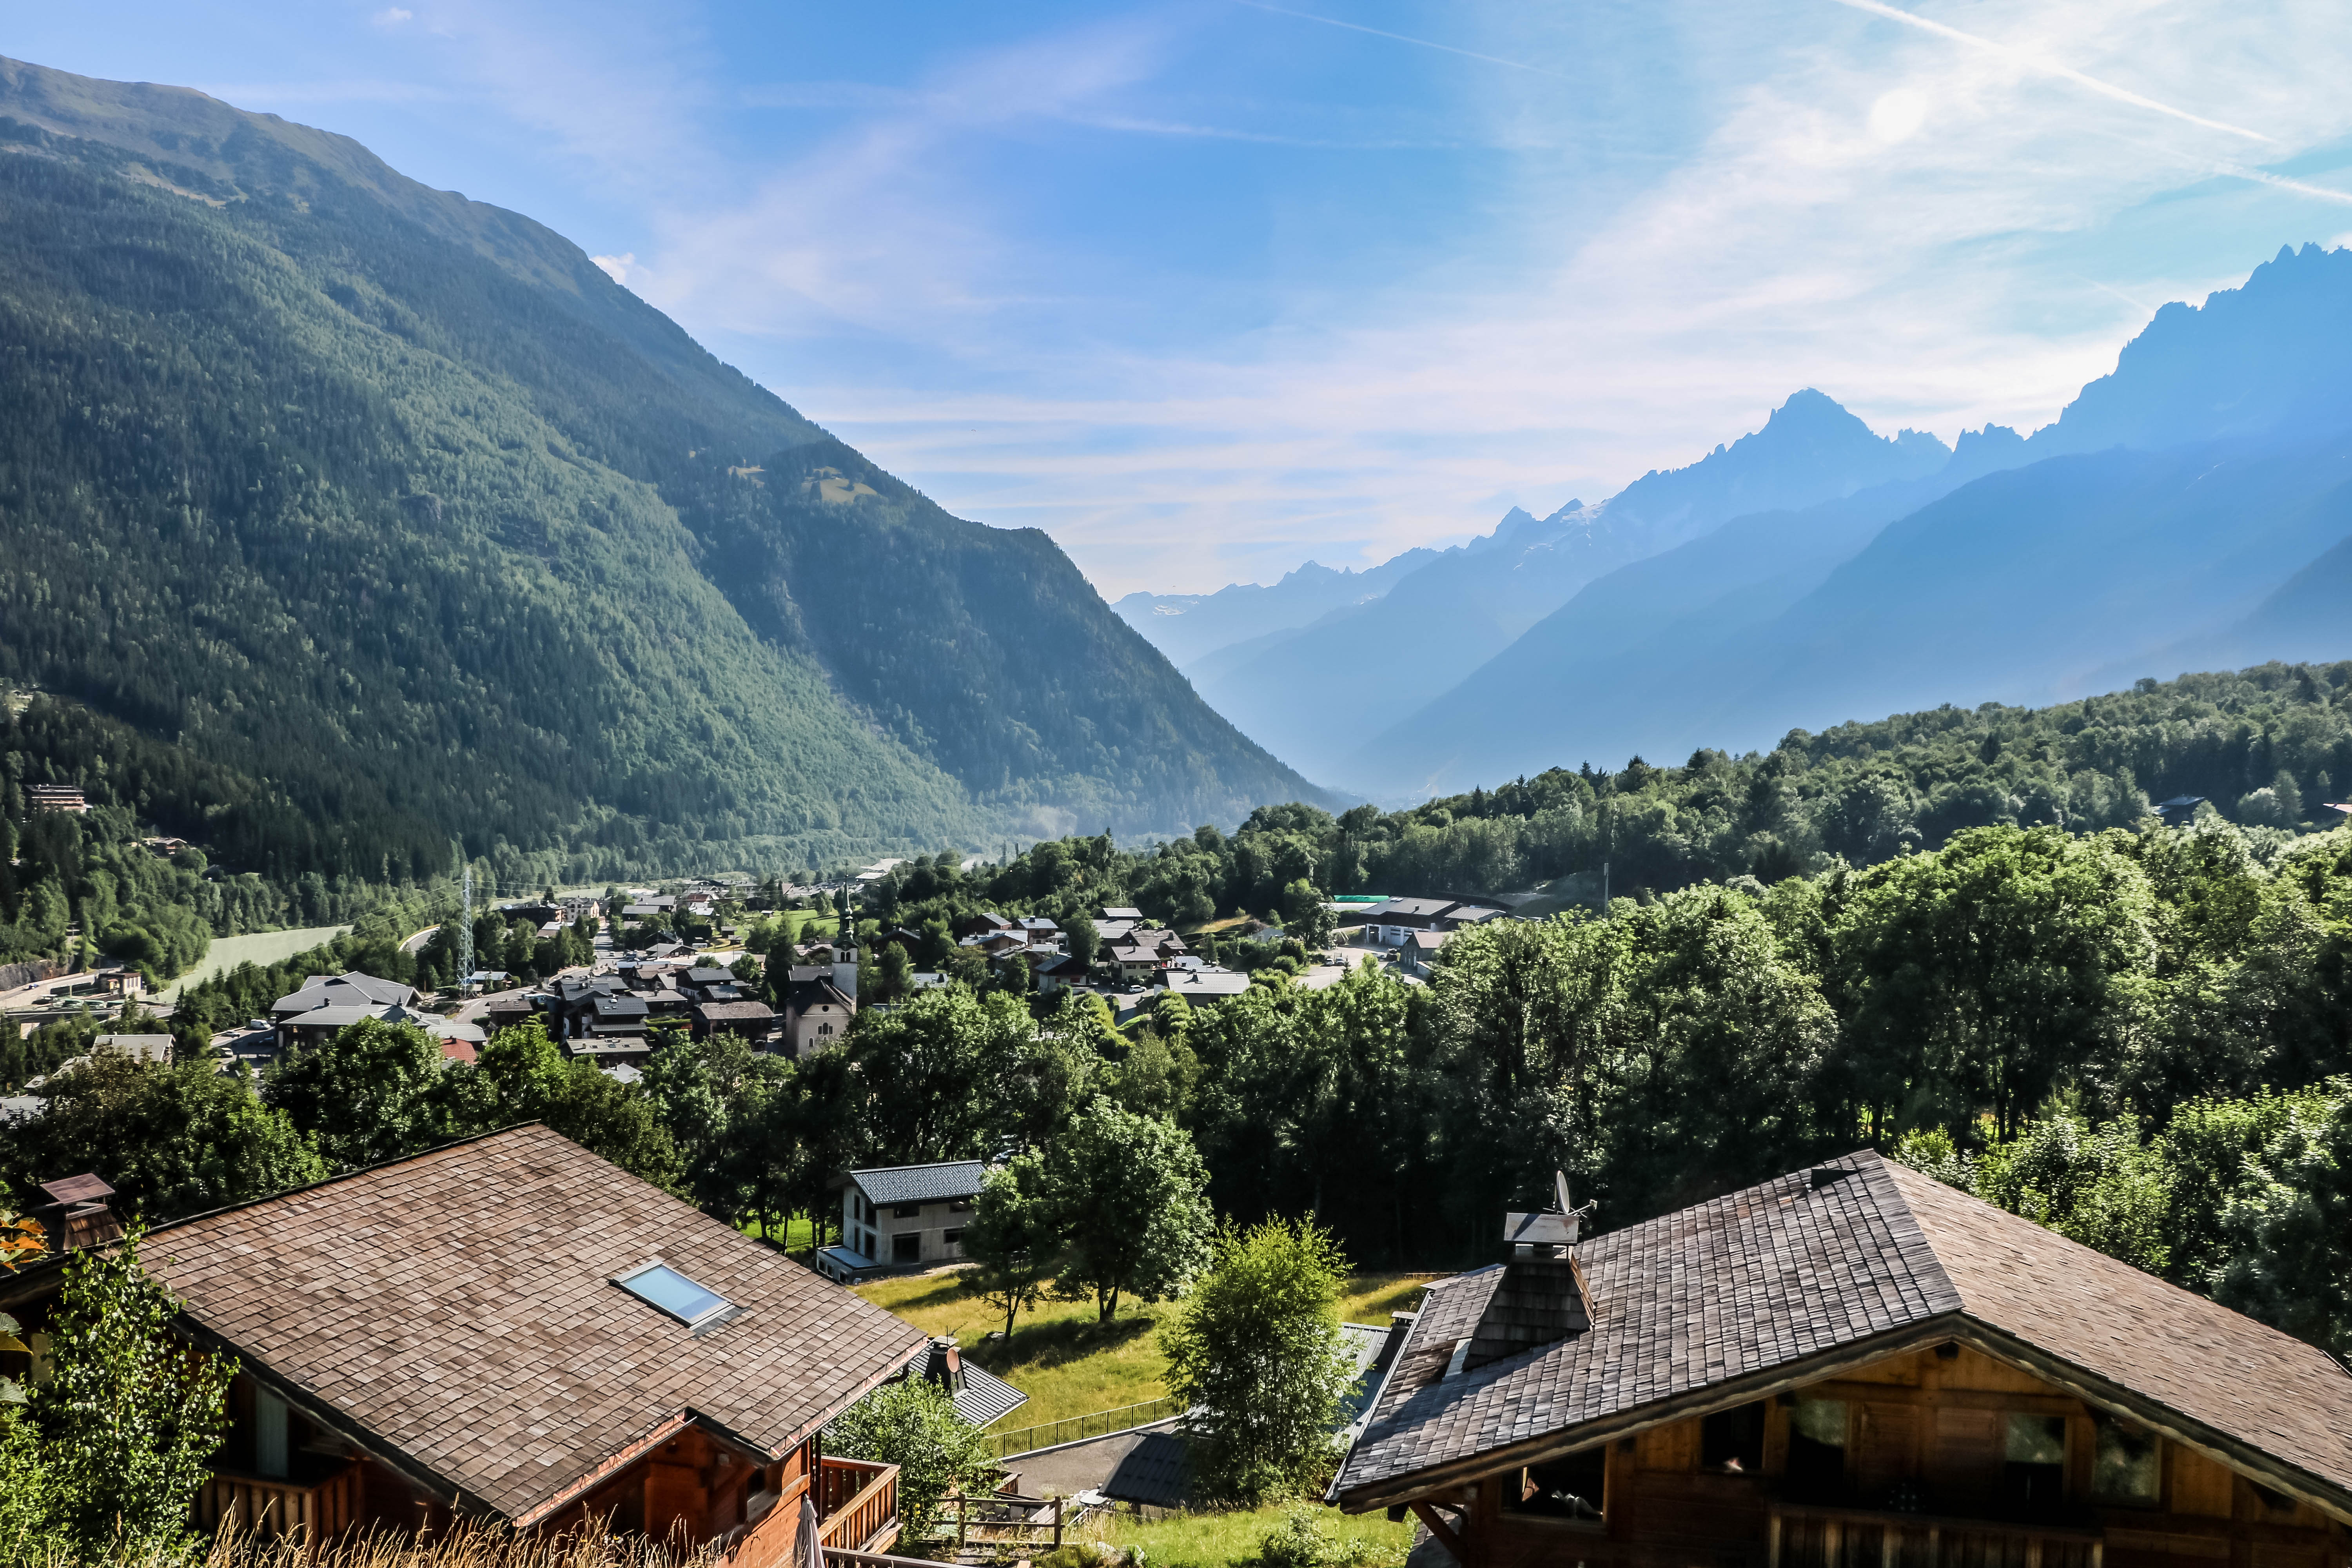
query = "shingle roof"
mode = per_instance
[
  {"x": 1728, "y": 1292},
  {"x": 456, "y": 1307},
  {"x": 729, "y": 1012},
  {"x": 921, "y": 1183}
]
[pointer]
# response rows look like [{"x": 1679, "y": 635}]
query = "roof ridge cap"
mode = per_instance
[{"x": 1910, "y": 1235}]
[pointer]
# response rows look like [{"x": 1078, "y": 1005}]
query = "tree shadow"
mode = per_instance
[
  {"x": 1066, "y": 1340},
  {"x": 943, "y": 1290}
]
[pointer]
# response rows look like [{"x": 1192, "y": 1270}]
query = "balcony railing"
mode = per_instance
[
  {"x": 858, "y": 1501},
  {"x": 858, "y": 1511},
  {"x": 254, "y": 1506},
  {"x": 1805, "y": 1536}
]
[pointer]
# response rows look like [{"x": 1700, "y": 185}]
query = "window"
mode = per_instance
[
  {"x": 1733, "y": 1440},
  {"x": 960, "y": 1205},
  {"x": 907, "y": 1246},
  {"x": 1816, "y": 1446},
  {"x": 2035, "y": 1474},
  {"x": 953, "y": 1238},
  {"x": 908, "y": 1211},
  {"x": 2128, "y": 1465},
  {"x": 1565, "y": 1488},
  {"x": 660, "y": 1285}
]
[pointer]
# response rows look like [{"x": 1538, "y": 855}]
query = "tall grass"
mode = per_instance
[{"x": 464, "y": 1547}]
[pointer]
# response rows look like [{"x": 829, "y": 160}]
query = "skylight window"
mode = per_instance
[{"x": 660, "y": 1285}]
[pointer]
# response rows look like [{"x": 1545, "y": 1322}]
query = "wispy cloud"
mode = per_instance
[
  {"x": 2044, "y": 66},
  {"x": 1403, "y": 39},
  {"x": 980, "y": 270}
]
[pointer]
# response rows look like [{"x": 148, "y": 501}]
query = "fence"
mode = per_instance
[{"x": 1072, "y": 1428}]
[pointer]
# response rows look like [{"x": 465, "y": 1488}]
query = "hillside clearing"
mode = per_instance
[{"x": 261, "y": 947}]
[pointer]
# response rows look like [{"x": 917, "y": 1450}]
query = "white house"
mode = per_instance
[{"x": 902, "y": 1217}]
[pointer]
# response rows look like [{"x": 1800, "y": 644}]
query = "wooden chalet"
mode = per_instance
[
  {"x": 1852, "y": 1366},
  {"x": 513, "y": 1330}
]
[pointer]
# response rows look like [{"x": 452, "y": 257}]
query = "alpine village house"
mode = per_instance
[
  {"x": 510, "y": 1330},
  {"x": 1852, "y": 1366}
]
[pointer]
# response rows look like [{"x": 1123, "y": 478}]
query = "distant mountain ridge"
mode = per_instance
[
  {"x": 2189, "y": 510},
  {"x": 398, "y": 508},
  {"x": 1439, "y": 623},
  {"x": 1186, "y": 625}
]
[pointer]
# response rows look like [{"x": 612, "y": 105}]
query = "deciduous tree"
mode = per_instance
[{"x": 1258, "y": 1356}]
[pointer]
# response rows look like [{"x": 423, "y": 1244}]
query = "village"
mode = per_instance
[{"x": 1850, "y": 1363}]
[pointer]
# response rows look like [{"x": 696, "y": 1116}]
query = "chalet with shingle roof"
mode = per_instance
[
  {"x": 753, "y": 1022},
  {"x": 512, "y": 1330},
  {"x": 1852, "y": 1365}
]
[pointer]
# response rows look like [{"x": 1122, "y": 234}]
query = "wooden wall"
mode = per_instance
[{"x": 1937, "y": 1420}]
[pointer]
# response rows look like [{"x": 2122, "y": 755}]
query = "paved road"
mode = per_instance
[{"x": 1143, "y": 1466}]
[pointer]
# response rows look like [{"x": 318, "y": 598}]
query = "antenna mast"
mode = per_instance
[{"x": 465, "y": 933}]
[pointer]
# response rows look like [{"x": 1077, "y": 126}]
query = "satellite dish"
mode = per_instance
[{"x": 1559, "y": 1193}]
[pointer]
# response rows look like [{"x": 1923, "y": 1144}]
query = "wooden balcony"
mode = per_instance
[
  {"x": 858, "y": 1508},
  {"x": 1805, "y": 1536},
  {"x": 318, "y": 1511},
  {"x": 858, "y": 1501}
]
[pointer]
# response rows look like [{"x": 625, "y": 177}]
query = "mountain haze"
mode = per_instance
[
  {"x": 1368, "y": 664},
  {"x": 1184, "y": 627},
  {"x": 2185, "y": 511},
  {"x": 398, "y": 506}
]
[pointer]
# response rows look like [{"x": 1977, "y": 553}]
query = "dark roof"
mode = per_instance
[
  {"x": 1156, "y": 1471},
  {"x": 985, "y": 1396},
  {"x": 921, "y": 1183},
  {"x": 621, "y": 1007},
  {"x": 734, "y": 1012},
  {"x": 457, "y": 1309},
  {"x": 1410, "y": 908},
  {"x": 805, "y": 994},
  {"x": 1701, "y": 1308},
  {"x": 710, "y": 977}
]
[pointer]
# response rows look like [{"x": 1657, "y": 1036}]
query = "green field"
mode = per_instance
[
  {"x": 795, "y": 1233},
  {"x": 1218, "y": 1540},
  {"x": 1067, "y": 1363},
  {"x": 262, "y": 947}
]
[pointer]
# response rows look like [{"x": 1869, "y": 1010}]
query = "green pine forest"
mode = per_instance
[{"x": 405, "y": 527}]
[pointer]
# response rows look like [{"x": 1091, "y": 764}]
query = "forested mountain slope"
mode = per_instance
[
  {"x": 2154, "y": 527},
  {"x": 396, "y": 506}
]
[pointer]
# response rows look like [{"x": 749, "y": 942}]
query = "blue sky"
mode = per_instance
[{"x": 1208, "y": 287}]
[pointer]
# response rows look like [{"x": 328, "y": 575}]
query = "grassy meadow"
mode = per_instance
[
  {"x": 1069, "y": 1364},
  {"x": 1219, "y": 1540}
]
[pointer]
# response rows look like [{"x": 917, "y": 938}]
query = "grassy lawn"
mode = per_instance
[
  {"x": 1067, "y": 1363},
  {"x": 795, "y": 1233},
  {"x": 803, "y": 920},
  {"x": 1218, "y": 1540},
  {"x": 262, "y": 947}
]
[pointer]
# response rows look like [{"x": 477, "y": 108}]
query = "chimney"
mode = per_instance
[
  {"x": 1541, "y": 1297},
  {"x": 944, "y": 1366},
  {"x": 77, "y": 1213}
]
